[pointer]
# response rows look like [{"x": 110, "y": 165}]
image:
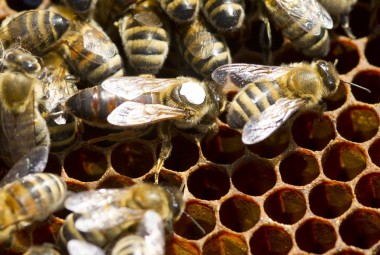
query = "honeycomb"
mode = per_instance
[{"x": 312, "y": 187}]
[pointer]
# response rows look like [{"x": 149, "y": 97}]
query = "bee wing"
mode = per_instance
[
  {"x": 256, "y": 130},
  {"x": 308, "y": 14},
  {"x": 200, "y": 44},
  {"x": 32, "y": 162},
  {"x": 152, "y": 229},
  {"x": 108, "y": 217},
  {"x": 148, "y": 18},
  {"x": 133, "y": 113},
  {"x": 132, "y": 87},
  {"x": 80, "y": 247},
  {"x": 87, "y": 201},
  {"x": 241, "y": 74}
]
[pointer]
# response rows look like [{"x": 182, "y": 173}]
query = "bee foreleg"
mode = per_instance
[{"x": 165, "y": 149}]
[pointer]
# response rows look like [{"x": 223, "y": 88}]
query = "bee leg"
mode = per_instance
[
  {"x": 165, "y": 150},
  {"x": 265, "y": 39},
  {"x": 345, "y": 23}
]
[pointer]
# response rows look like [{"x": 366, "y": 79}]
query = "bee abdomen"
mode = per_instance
[
  {"x": 312, "y": 45},
  {"x": 251, "y": 102},
  {"x": 41, "y": 130},
  {"x": 129, "y": 245},
  {"x": 62, "y": 136},
  {"x": 179, "y": 10},
  {"x": 225, "y": 15},
  {"x": 36, "y": 195},
  {"x": 36, "y": 30}
]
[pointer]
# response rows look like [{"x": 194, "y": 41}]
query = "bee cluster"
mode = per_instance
[{"x": 129, "y": 92}]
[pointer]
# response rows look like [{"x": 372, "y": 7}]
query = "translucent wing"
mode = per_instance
[
  {"x": 200, "y": 44},
  {"x": 148, "y": 18},
  {"x": 308, "y": 14},
  {"x": 132, "y": 114},
  {"x": 152, "y": 229},
  {"x": 132, "y": 87},
  {"x": 242, "y": 74},
  {"x": 108, "y": 217},
  {"x": 87, "y": 201},
  {"x": 80, "y": 247},
  {"x": 256, "y": 130},
  {"x": 33, "y": 162}
]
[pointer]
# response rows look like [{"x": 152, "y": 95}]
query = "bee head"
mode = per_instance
[
  {"x": 175, "y": 201},
  {"x": 329, "y": 75}
]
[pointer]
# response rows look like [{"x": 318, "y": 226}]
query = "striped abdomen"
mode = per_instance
[
  {"x": 91, "y": 54},
  {"x": 251, "y": 101},
  {"x": 145, "y": 46},
  {"x": 36, "y": 31},
  {"x": 95, "y": 104},
  {"x": 130, "y": 245},
  {"x": 62, "y": 135},
  {"x": 219, "y": 56},
  {"x": 98, "y": 237},
  {"x": 181, "y": 11},
  {"x": 224, "y": 15},
  {"x": 33, "y": 197},
  {"x": 307, "y": 42}
]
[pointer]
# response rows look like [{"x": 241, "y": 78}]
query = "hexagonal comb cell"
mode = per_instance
[
  {"x": 198, "y": 221},
  {"x": 360, "y": 19},
  {"x": 316, "y": 236},
  {"x": 239, "y": 213},
  {"x": 184, "y": 154},
  {"x": 224, "y": 147},
  {"x": 372, "y": 50},
  {"x": 225, "y": 243},
  {"x": 374, "y": 152},
  {"x": 346, "y": 53},
  {"x": 299, "y": 168},
  {"x": 343, "y": 161},
  {"x": 208, "y": 182},
  {"x": 85, "y": 164},
  {"x": 272, "y": 146},
  {"x": 254, "y": 176},
  {"x": 178, "y": 246},
  {"x": 133, "y": 158},
  {"x": 369, "y": 79},
  {"x": 269, "y": 239},
  {"x": 313, "y": 131},
  {"x": 358, "y": 123},
  {"x": 285, "y": 205},
  {"x": 367, "y": 190},
  {"x": 330, "y": 199},
  {"x": 361, "y": 228}
]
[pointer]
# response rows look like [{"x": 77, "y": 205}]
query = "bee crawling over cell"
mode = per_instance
[
  {"x": 181, "y": 102},
  {"x": 269, "y": 95}
]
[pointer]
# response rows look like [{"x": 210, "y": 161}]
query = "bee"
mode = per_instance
[
  {"x": 147, "y": 239},
  {"x": 181, "y": 11},
  {"x": 271, "y": 94},
  {"x": 57, "y": 85},
  {"x": 22, "y": 126},
  {"x": 304, "y": 23},
  {"x": 89, "y": 51},
  {"x": 225, "y": 15},
  {"x": 102, "y": 216},
  {"x": 145, "y": 37},
  {"x": 19, "y": 59},
  {"x": 27, "y": 194},
  {"x": 136, "y": 101},
  {"x": 35, "y": 31},
  {"x": 203, "y": 49},
  {"x": 339, "y": 11},
  {"x": 80, "y": 7}
]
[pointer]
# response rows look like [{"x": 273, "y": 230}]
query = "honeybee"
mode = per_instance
[
  {"x": 89, "y": 51},
  {"x": 19, "y": 59},
  {"x": 80, "y": 7},
  {"x": 135, "y": 101},
  {"x": 102, "y": 216},
  {"x": 203, "y": 49},
  {"x": 148, "y": 239},
  {"x": 225, "y": 15},
  {"x": 41, "y": 250},
  {"x": 145, "y": 37},
  {"x": 181, "y": 11},
  {"x": 57, "y": 85},
  {"x": 35, "y": 31},
  {"x": 271, "y": 94},
  {"x": 27, "y": 195},
  {"x": 304, "y": 23},
  {"x": 339, "y": 11},
  {"x": 22, "y": 126}
]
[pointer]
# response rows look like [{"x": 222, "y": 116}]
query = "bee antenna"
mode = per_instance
[
  {"x": 356, "y": 85},
  {"x": 195, "y": 222},
  {"x": 336, "y": 62}
]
